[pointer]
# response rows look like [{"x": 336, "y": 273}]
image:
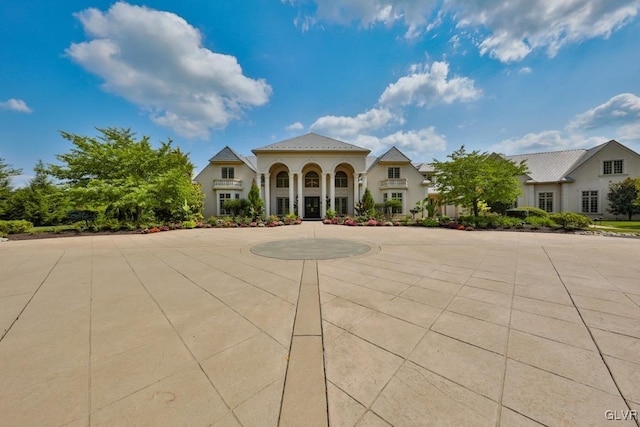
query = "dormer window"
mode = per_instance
[
  {"x": 393, "y": 172},
  {"x": 228, "y": 173},
  {"x": 612, "y": 167}
]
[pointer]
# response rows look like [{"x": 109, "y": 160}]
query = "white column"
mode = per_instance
[
  {"x": 291, "y": 196},
  {"x": 355, "y": 191},
  {"x": 332, "y": 190},
  {"x": 364, "y": 182},
  {"x": 300, "y": 198},
  {"x": 323, "y": 194},
  {"x": 267, "y": 194},
  {"x": 404, "y": 203},
  {"x": 259, "y": 182},
  {"x": 564, "y": 197}
]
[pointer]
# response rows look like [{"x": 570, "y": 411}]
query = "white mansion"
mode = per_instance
[{"x": 311, "y": 173}]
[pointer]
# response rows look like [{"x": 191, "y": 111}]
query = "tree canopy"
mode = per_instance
[
  {"x": 624, "y": 197},
  {"x": 127, "y": 178},
  {"x": 469, "y": 178},
  {"x": 6, "y": 172}
]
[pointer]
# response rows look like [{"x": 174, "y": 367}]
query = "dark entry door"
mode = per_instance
[{"x": 312, "y": 207}]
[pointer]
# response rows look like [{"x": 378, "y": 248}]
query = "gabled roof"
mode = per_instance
[
  {"x": 393, "y": 155},
  {"x": 311, "y": 142},
  {"x": 595, "y": 150},
  {"x": 229, "y": 155},
  {"x": 552, "y": 166}
]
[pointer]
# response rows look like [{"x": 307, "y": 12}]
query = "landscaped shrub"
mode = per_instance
[
  {"x": 430, "y": 222},
  {"x": 537, "y": 222},
  {"x": 15, "y": 226},
  {"x": 189, "y": 224},
  {"x": 509, "y": 222},
  {"x": 527, "y": 211},
  {"x": 570, "y": 220}
]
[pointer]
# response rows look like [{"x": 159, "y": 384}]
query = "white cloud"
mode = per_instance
[
  {"x": 295, "y": 126},
  {"x": 621, "y": 110},
  {"x": 525, "y": 70},
  {"x": 509, "y": 31},
  {"x": 156, "y": 60},
  {"x": 519, "y": 27},
  {"x": 418, "y": 144},
  {"x": 347, "y": 127},
  {"x": 551, "y": 140},
  {"x": 15, "y": 105},
  {"x": 429, "y": 86},
  {"x": 620, "y": 114}
]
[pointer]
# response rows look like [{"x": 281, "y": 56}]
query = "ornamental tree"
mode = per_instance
[
  {"x": 127, "y": 178},
  {"x": 624, "y": 197},
  {"x": 469, "y": 178}
]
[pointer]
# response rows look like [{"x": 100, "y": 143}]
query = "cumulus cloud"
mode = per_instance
[
  {"x": 551, "y": 140},
  {"x": 346, "y": 127},
  {"x": 620, "y": 114},
  {"x": 621, "y": 110},
  {"x": 429, "y": 85},
  {"x": 507, "y": 31},
  {"x": 295, "y": 126},
  {"x": 516, "y": 28},
  {"x": 13, "y": 104},
  {"x": 157, "y": 60}
]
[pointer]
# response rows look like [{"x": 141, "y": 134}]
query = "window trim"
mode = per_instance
[
  {"x": 393, "y": 172},
  {"x": 343, "y": 178},
  {"x": 549, "y": 197},
  {"x": 309, "y": 181},
  {"x": 228, "y": 172},
  {"x": 282, "y": 180},
  {"x": 589, "y": 197}
]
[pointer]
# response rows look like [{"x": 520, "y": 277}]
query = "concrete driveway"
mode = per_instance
[{"x": 419, "y": 327}]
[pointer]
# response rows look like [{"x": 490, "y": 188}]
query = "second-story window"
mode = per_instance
[
  {"x": 341, "y": 180},
  {"x": 312, "y": 180},
  {"x": 228, "y": 173},
  {"x": 393, "y": 172},
  {"x": 282, "y": 180}
]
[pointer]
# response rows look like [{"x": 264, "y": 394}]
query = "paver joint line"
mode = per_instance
[{"x": 304, "y": 396}]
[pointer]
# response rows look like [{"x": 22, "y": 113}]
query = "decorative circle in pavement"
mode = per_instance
[{"x": 310, "y": 249}]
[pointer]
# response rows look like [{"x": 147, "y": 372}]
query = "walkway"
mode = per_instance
[{"x": 427, "y": 327}]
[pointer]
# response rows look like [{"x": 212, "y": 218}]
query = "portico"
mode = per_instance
[{"x": 309, "y": 175}]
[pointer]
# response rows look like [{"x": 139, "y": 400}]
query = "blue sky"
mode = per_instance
[{"x": 424, "y": 75}]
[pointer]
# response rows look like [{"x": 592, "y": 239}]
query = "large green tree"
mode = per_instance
[
  {"x": 624, "y": 197},
  {"x": 127, "y": 178},
  {"x": 41, "y": 202},
  {"x": 6, "y": 172},
  {"x": 471, "y": 177}
]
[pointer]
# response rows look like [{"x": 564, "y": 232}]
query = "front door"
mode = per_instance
[{"x": 312, "y": 207}]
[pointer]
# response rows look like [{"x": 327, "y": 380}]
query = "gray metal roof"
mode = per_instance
[
  {"x": 552, "y": 166},
  {"x": 228, "y": 155},
  {"x": 311, "y": 142},
  {"x": 394, "y": 155}
]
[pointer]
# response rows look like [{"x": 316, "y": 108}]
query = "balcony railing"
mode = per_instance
[
  {"x": 400, "y": 183},
  {"x": 221, "y": 184}
]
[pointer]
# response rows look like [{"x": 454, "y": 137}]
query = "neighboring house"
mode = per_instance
[
  {"x": 311, "y": 174},
  {"x": 576, "y": 180}
]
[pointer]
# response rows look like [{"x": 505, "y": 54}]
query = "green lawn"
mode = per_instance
[
  {"x": 52, "y": 228},
  {"x": 619, "y": 226}
]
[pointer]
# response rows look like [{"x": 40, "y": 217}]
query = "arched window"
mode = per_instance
[
  {"x": 312, "y": 180},
  {"x": 282, "y": 179},
  {"x": 341, "y": 180}
]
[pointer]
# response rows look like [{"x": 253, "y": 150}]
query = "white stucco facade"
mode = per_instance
[{"x": 311, "y": 174}]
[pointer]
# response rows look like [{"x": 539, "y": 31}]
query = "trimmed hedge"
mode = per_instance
[
  {"x": 570, "y": 220},
  {"x": 15, "y": 226},
  {"x": 527, "y": 211}
]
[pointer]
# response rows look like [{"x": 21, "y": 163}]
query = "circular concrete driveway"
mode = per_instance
[{"x": 430, "y": 327}]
